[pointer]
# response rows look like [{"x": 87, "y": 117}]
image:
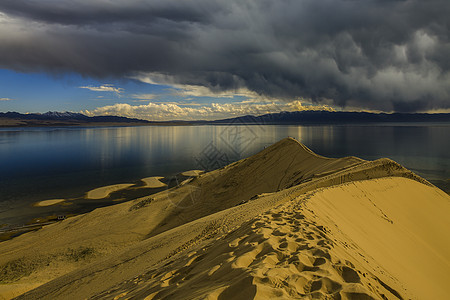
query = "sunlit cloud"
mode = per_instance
[
  {"x": 175, "y": 111},
  {"x": 6, "y": 99},
  {"x": 437, "y": 111},
  {"x": 103, "y": 88}
]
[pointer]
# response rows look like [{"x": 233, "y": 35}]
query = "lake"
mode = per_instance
[{"x": 51, "y": 163}]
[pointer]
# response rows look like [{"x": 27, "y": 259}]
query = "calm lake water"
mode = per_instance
[{"x": 47, "y": 163}]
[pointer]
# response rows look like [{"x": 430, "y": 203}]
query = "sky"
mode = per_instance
[{"x": 211, "y": 59}]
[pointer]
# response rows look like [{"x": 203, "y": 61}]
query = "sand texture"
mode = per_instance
[
  {"x": 284, "y": 223},
  {"x": 153, "y": 182},
  {"x": 105, "y": 191}
]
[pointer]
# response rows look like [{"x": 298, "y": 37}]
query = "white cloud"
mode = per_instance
[
  {"x": 188, "y": 109},
  {"x": 6, "y": 99},
  {"x": 176, "y": 111},
  {"x": 103, "y": 88}
]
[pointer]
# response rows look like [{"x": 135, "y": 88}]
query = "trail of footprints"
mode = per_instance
[
  {"x": 297, "y": 260},
  {"x": 278, "y": 254}
]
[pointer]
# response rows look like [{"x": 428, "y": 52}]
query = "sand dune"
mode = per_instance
[
  {"x": 297, "y": 250},
  {"x": 278, "y": 254},
  {"x": 283, "y": 223},
  {"x": 399, "y": 224}
]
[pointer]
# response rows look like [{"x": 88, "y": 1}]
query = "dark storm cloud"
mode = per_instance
[
  {"x": 387, "y": 55},
  {"x": 79, "y": 12}
]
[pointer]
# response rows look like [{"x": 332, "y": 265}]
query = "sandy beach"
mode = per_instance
[
  {"x": 192, "y": 173},
  {"x": 284, "y": 223},
  {"x": 48, "y": 202},
  {"x": 105, "y": 191},
  {"x": 153, "y": 182}
]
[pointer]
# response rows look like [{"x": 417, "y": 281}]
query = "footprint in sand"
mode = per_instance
[
  {"x": 348, "y": 274},
  {"x": 325, "y": 285}
]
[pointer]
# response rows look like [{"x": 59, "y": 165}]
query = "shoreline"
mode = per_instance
[
  {"x": 99, "y": 124},
  {"x": 149, "y": 186},
  {"x": 24, "y": 123}
]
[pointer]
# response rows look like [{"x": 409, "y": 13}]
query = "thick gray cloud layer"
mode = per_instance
[{"x": 375, "y": 54}]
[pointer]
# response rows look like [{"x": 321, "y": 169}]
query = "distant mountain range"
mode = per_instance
[
  {"x": 66, "y": 116},
  {"x": 327, "y": 117},
  {"x": 14, "y": 119}
]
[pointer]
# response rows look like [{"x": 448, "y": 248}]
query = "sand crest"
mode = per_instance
[
  {"x": 105, "y": 191},
  {"x": 48, "y": 202},
  {"x": 153, "y": 182}
]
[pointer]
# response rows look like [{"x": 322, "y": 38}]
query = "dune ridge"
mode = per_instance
[{"x": 129, "y": 240}]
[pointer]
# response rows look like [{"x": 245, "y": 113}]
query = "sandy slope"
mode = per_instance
[
  {"x": 402, "y": 225},
  {"x": 338, "y": 242},
  {"x": 105, "y": 251}
]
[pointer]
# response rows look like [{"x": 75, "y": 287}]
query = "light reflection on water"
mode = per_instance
[{"x": 46, "y": 163}]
